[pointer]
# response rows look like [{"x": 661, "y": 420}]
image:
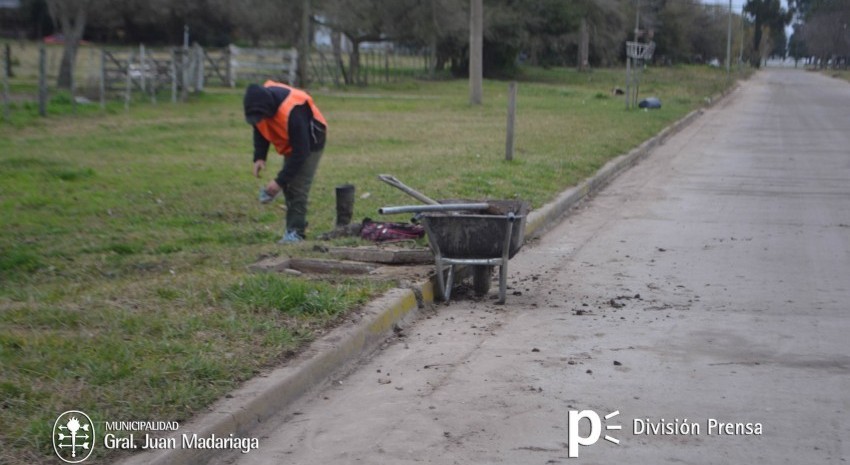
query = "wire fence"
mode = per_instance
[{"x": 373, "y": 66}]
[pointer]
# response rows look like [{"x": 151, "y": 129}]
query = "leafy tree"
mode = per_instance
[
  {"x": 797, "y": 48},
  {"x": 778, "y": 39},
  {"x": 34, "y": 16},
  {"x": 687, "y": 31},
  {"x": 362, "y": 21},
  {"x": 255, "y": 20},
  {"x": 824, "y": 28},
  {"x": 553, "y": 31},
  {"x": 675, "y": 22},
  {"x": 769, "y": 14}
]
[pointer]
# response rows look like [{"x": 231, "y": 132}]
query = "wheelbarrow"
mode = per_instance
[{"x": 481, "y": 235}]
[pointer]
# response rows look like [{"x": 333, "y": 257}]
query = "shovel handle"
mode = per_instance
[{"x": 391, "y": 180}]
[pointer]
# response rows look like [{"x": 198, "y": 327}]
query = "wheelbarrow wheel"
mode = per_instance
[{"x": 481, "y": 279}]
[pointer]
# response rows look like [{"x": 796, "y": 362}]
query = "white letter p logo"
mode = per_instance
[{"x": 575, "y": 440}]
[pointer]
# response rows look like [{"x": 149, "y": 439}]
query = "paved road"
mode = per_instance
[{"x": 710, "y": 282}]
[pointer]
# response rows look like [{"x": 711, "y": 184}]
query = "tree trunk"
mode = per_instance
[
  {"x": 73, "y": 30},
  {"x": 534, "y": 52},
  {"x": 757, "y": 43},
  {"x": 435, "y": 40},
  {"x": 354, "y": 62},
  {"x": 476, "y": 49},
  {"x": 336, "y": 43},
  {"x": 432, "y": 56},
  {"x": 304, "y": 45}
]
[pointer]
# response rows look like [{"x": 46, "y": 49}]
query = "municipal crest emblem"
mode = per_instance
[{"x": 73, "y": 436}]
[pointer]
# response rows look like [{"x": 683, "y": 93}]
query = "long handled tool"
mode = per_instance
[{"x": 391, "y": 180}]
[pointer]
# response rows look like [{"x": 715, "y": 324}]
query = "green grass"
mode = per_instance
[
  {"x": 125, "y": 235},
  {"x": 840, "y": 74}
]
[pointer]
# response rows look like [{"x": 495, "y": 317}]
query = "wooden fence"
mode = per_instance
[
  {"x": 259, "y": 64},
  {"x": 149, "y": 71},
  {"x": 154, "y": 73}
]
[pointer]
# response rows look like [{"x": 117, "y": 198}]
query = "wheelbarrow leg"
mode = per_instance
[
  {"x": 444, "y": 283},
  {"x": 503, "y": 282},
  {"x": 503, "y": 267}
]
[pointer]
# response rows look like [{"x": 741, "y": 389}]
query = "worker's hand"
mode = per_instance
[
  {"x": 272, "y": 188},
  {"x": 259, "y": 165},
  {"x": 269, "y": 193}
]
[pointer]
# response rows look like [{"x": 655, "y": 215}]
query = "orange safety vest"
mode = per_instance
[{"x": 276, "y": 128}]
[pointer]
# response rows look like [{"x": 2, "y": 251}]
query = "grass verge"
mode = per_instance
[
  {"x": 125, "y": 236},
  {"x": 842, "y": 74}
]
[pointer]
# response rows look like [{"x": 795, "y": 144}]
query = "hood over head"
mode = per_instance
[{"x": 259, "y": 103}]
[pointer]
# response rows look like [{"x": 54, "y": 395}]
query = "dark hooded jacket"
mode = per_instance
[{"x": 263, "y": 102}]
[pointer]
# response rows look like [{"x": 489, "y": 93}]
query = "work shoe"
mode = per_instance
[{"x": 291, "y": 237}]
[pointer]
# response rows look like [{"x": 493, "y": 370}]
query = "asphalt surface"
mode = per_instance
[{"x": 708, "y": 284}]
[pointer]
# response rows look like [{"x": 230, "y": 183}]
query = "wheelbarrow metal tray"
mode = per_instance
[{"x": 473, "y": 235}]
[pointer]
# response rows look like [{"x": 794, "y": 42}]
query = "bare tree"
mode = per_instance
[
  {"x": 70, "y": 17},
  {"x": 365, "y": 21},
  {"x": 605, "y": 34},
  {"x": 304, "y": 44}
]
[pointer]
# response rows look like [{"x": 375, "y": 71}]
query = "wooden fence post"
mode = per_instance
[
  {"x": 8, "y": 61},
  {"x": 129, "y": 88},
  {"x": 184, "y": 73},
  {"x": 173, "y": 75},
  {"x": 509, "y": 141},
  {"x": 73, "y": 86},
  {"x": 103, "y": 79},
  {"x": 229, "y": 67},
  {"x": 7, "y": 71},
  {"x": 142, "y": 62},
  {"x": 154, "y": 81},
  {"x": 199, "y": 67},
  {"x": 42, "y": 81},
  {"x": 293, "y": 66}
]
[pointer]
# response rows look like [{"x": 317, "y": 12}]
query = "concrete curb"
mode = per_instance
[
  {"x": 329, "y": 356},
  {"x": 334, "y": 354}
]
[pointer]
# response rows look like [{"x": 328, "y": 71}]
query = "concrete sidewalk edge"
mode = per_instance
[{"x": 334, "y": 354}]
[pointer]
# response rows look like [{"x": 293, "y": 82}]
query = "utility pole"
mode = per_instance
[
  {"x": 476, "y": 51},
  {"x": 637, "y": 21},
  {"x": 743, "y": 38},
  {"x": 729, "y": 42}
]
